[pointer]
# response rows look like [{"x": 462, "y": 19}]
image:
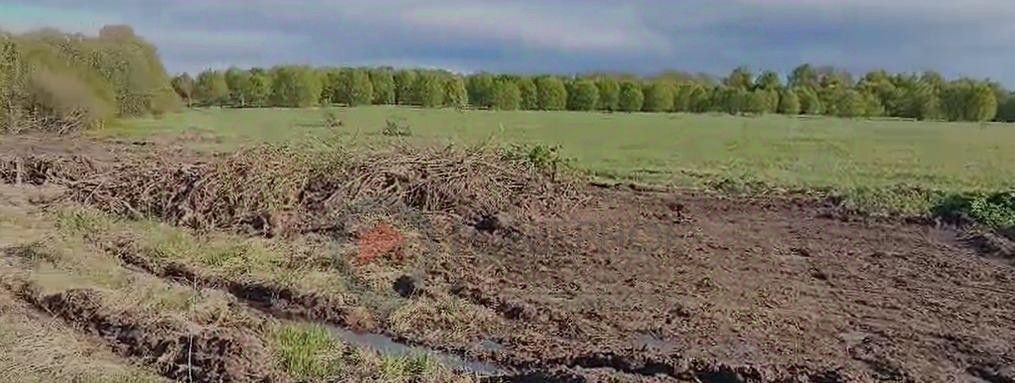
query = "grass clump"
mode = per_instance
[
  {"x": 396, "y": 128},
  {"x": 307, "y": 351}
]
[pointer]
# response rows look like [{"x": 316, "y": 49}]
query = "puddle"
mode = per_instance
[
  {"x": 390, "y": 347},
  {"x": 652, "y": 342}
]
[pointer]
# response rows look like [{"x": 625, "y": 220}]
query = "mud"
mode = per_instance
[
  {"x": 741, "y": 289},
  {"x": 179, "y": 351},
  {"x": 277, "y": 300}
]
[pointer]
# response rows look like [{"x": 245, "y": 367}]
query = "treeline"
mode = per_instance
[
  {"x": 50, "y": 80},
  {"x": 807, "y": 90}
]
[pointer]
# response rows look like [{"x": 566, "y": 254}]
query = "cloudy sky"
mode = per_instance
[{"x": 955, "y": 37}]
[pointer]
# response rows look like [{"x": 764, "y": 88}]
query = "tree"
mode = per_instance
[
  {"x": 631, "y": 98},
  {"x": 260, "y": 88},
  {"x": 658, "y": 96},
  {"x": 583, "y": 95},
  {"x": 1006, "y": 110},
  {"x": 455, "y": 94},
  {"x": 609, "y": 93},
  {"x": 789, "y": 103},
  {"x": 383, "y": 83},
  {"x": 480, "y": 87},
  {"x": 405, "y": 81},
  {"x": 505, "y": 96},
  {"x": 550, "y": 93},
  {"x": 809, "y": 102},
  {"x": 768, "y": 80},
  {"x": 527, "y": 89},
  {"x": 740, "y": 78},
  {"x": 295, "y": 86},
  {"x": 968, "y": 100},
  {"x": 761, "y": 101},
  {"x": 354, "y": 87},
  {"x": 238, "y": 82},
  {"x": 211, "y": 88},
  {"x": 848, "y": 103},
  {"x": 803, "y": 76},
  {"x": 183, "y": 85},
  {"x": 429, "y": 90},
  {"x": 731, "y": 100}
]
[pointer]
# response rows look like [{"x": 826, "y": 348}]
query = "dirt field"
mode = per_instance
[{"x": 623, "y": 285}]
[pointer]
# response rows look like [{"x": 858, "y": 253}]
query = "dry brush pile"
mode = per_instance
[{"x": 285, "y": 190}]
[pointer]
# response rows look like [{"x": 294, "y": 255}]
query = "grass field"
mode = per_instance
[{"x": 676, "y": 149}]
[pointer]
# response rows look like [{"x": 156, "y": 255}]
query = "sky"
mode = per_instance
[{"x": 955, "y": 37}]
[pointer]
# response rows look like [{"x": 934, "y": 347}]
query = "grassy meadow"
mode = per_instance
[{"x": 673, "y": 149}]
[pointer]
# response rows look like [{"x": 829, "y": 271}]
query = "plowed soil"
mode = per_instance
[{"x": 694, "y": 286}]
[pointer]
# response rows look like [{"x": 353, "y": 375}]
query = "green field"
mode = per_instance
[{"x": 674, "y": 149}]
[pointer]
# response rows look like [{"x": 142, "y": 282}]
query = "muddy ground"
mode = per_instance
[{"x": 693, "y": 286}]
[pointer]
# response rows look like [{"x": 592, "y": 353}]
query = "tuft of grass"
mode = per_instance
[
  {"x": 396, "y": 128},
  {"x": 307, "y": 351}
]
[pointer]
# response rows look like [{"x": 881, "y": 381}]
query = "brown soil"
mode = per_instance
[
  {"x": 695, "y": 286},
  {"x": 179, "y": 351}
]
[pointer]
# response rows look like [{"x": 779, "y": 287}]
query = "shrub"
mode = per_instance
[
  {"x": 550, "y": 93},
  {"x": 396, "y": 128}
]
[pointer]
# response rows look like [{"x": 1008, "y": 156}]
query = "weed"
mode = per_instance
[
  {"x": 994, "y": 210},
  {"x": 331, "y": 120},
  {"x": 396, "y": 128},
  {"x": 545, "y": 158}
]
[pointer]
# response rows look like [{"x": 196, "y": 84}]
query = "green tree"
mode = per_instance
[
  {"x": 789, "y": 103},
  {"x": 810, "y": 104},
  {"x": 731, "y": 100},
  {"x": 551, "y": 94},
  {"x": 184, "y": 87},
  {"x": 768, "y": 80},
  {"x": 530, "y": 98},
  {"x": 505, "y": 96},
  {"x": 383, "y": 83},
  {"x": 211, "y": 88},
  {"x": 260, "y": 89},
  {"x": 429, "y": 90},
  {"x": 295, "y": 86},
  {"x": 455, "y": 94},
  {"x": 583, "y": 95},
  {"x": 804, "y": 76},
  {"x": 968, "y": 100},
  {"x": 609, "y": 93},
  {"x": 480, "y": 87},
  {"x": 405, "y": 82},
  {"x": 740, "y": 78},
  {"x": 354, "y": 88},
  {"x": 238, "y": 82},
  {"x": 631, "y": 98},
  {"x": 848, "y": 103},
  {"x": 658, "y": 96},
  {"x": 1006, "y": 110}
]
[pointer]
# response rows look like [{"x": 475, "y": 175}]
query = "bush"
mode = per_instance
[
  {"x": 550, "y": 93},
  {"x": 996, "y": 210},
  {"x": 630, "y": 98},
  {"x": 583, "y": 95},
  {"x": 658, "y": 97}
]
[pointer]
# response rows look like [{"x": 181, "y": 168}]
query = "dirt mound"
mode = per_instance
[
  {"x": 280, "y": 190},
  {"x": 180, "y": 351}
]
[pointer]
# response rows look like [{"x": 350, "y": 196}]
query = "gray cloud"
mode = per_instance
[{"x": 959, "y": 37}]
